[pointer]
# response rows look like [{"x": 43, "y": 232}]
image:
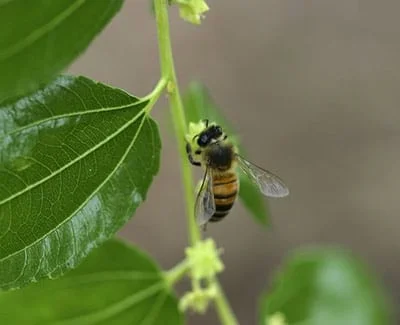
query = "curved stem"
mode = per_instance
[
  {"x": 155, "y": 94},
  {"x": 176, "y": 273},
  {"x": 177, "y": 111},
  {"x": 223, "y": 308}
]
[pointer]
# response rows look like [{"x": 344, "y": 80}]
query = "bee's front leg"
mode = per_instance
[
  {"x": 194, "y": 162},
  {"x": 190, "y": 157}
]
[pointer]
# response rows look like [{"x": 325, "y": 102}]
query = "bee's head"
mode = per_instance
[
  {"x": 211, "y": 134},
  {"x": 203, "y": 133}
]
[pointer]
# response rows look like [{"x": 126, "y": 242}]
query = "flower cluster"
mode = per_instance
[
  {"x": 198, "y": 299},
  {"x": 204, "y": 264},
  {"x": 192, "y": 10},
  {"x": 204, "y": 261}
]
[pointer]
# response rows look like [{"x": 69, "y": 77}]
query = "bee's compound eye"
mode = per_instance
[
  {"x": 202, "y": 140},
  {"x": 218, "y": 129}
]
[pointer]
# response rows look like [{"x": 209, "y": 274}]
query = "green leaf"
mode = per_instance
[
  {"x": 199, "y": 105},
  {"x": 116, "y": 284},
  {"x": 38, "y": 39},
  {"x": 76, "y": 160},
  {"x": 152, "y": 8},
  {"x": 325, "y": 286}
]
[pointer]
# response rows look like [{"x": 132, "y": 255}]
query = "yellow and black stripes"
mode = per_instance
[{"x": 225, "y": 189}]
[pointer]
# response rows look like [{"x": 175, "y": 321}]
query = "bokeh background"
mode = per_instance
[{"x": 313, "y": 89}]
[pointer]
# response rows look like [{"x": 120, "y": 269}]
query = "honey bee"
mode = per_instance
[{"x": 208, "y": 146}]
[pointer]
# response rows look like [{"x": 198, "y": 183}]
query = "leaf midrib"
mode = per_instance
[
  {"x": 40, "y": 32},
  {"x": 101, "y": 277},
  {"x": 114, "y": 309},
  {"x": 114, "y": 275},
  {"x": 72, "y": 162},
  {"x": 72, "y": 114},
  {"x": 142, "y": 112}
]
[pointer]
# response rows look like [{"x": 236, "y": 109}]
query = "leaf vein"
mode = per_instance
[
  {"x": 40, "y": 32},
  {"x": 114, "y": 309},
  {"x": 61, "y": 169},
  {"x": 96, "y": 190},
  {"x": 72, "y": 114}
]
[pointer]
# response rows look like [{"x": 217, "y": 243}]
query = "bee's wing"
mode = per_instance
[
  {"x": 205, "y": 204},
  {"x": 268, "y": 183}
]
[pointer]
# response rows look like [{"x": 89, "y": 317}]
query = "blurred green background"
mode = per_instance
[{"x": 312, "y": 87}]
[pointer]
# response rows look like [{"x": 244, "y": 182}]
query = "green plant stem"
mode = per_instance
[
  {"x": 155, "y": 94},
  {"x": 224, "y": 311},
  {"x": 177, "y": 111},
  {"x": 176, "y": 273},
  {"x": 179, "y": 121}
]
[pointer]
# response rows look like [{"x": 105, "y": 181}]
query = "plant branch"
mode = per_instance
[
  {"x": 155, "y": 94},
  {"x": 177, "y": 111},
  {"x": 224, "y": 311},
  {"x": 179, "y": 121},
  {"x": 176, "y": 273}
]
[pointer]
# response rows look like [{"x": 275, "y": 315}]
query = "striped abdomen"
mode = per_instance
[{"x": 225, "y": 189}]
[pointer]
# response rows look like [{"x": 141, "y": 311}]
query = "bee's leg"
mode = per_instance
[
  {"x": 204, "y": 227},
  {"x": 193, "y": 162},
  {"x": 188, "y": 149},
  {"x": 189, "y": 153}
]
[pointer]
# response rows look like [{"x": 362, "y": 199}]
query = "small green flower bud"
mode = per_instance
[
  {"x": 198, "y": 300},
  {"x": 192, "y": 10},
  {"x": 204, "y": 261},
  {"x": 276, "y": 319},
  {"x": 195, "y": 300}
]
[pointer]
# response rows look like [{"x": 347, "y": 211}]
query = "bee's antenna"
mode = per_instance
[{"x": 206, "y": 121}]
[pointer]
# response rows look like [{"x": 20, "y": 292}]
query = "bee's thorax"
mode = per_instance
[{"x": 219, "y": 156}]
